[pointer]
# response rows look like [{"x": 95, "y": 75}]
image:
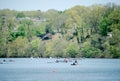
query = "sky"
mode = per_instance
[{"x": 44, "y": 5}]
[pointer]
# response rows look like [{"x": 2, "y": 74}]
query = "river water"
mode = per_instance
[{"x": 44, "y": 69}]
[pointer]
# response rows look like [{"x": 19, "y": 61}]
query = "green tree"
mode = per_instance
[
  {"x": 96, "y": 13},
  {"x": 18, "y": 48},
  {"x": 40, "y": 29},
  {"x": 20, "y": 15},
  {"x": 35, "y": 45},
  {"x": 90, "y": 52},
  {"x": 104, "y": 27},
  {"x": 28, "y": 25},
  {"x": 114, "y": 19},
  {"x": 72, "y": 49}
]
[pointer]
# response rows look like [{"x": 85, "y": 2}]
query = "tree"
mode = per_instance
[
  {"x": 104, "y": 27},
  {"x": 95, "y": 16},
  {"x": 28, "y": 25},
  {"x": 90, "y": 52},
  {"x": 18, "y": 48},
  {"x": 20, "y": 15},
  {"x": 35, "y": 45},
  {"x": 72, "y": 49},
  {"x": 48, "y": 28},
  {"x": 59, "y": 23},
  {"x": 40, "y": 29},
  {"x": 76, "y": 32},
  {"x": 114, "y": 19}
]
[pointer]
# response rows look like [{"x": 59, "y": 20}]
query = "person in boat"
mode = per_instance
[
  {"x": 75, "y": 63},
  {"x": 65, "y": 60},
  {"x": 57, "y": 61}
]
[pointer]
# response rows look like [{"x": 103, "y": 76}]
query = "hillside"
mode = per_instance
[{"x": 81, "y": 31}]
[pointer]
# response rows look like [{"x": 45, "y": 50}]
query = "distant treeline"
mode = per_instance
[{"x": 81, "y": 31}]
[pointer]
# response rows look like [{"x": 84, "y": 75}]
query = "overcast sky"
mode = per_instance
[{"x": 44, "y": 5}]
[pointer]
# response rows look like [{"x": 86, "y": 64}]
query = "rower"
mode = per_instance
[{"x": 75, "y": 63}]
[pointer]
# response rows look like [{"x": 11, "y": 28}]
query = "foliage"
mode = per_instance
[
  {"x": 72, "y": 49},
  {"x": 104, "y": 27},
  {"x": 90, "y": 52},
  {"x": 80, "y": 31},
  {"x": 20, "y": 15},
  {"x": 18, "y": 48},
  {"x": 40, "y": 29},
  {"x": 35, "y": 45}
]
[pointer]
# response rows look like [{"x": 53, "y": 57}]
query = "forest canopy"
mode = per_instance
[{"x": 81, "y": 31}]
